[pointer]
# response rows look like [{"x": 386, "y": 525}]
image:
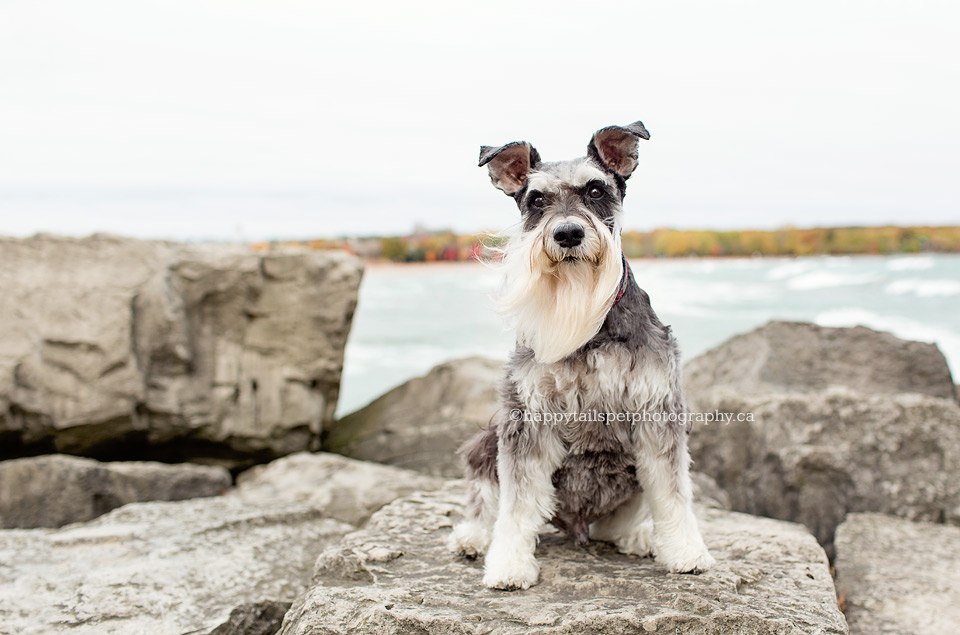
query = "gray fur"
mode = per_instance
[{"x": 598, "y": 473}]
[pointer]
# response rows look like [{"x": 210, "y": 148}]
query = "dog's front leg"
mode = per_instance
[
  {"x": 528, "y": 455},
  {"x": 663, "y": 466}
]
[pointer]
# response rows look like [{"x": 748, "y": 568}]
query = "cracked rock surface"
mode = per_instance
[
  {"x": 898, "y": 577},
  {"x": 395, "y": 577},
  {"x": 159, "y": 567}
]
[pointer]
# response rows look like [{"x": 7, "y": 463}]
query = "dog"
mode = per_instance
[{"x": 591, "y": 429}]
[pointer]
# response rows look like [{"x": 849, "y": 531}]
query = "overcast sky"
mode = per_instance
[{"x": 202, "y": 119}]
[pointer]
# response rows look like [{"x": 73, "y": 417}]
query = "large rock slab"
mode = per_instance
[
  {"x": 815, "y": 457},
  {"x": 113, "y": 347},
  {"x": 420, "y": 424},
  {"x": 898, "y": 577},
  {"x": 396, "y": 577},
  {"x": 345, "y": 489},
  {"x": 55, "y": 490},
  {"x": 801, "y": 357},
  {"x": 160, "y": 567}
]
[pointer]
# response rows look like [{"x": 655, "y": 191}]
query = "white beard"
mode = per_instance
[{"x": 557, "y": 307}]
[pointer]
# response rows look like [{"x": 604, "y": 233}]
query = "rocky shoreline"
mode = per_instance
[{"x": 215, "y": 360}]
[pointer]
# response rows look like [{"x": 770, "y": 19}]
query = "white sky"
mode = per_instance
[{"x": 225, "y": 119}]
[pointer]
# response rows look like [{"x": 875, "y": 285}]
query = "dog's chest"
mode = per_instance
[{"x": 594, "y": 384}]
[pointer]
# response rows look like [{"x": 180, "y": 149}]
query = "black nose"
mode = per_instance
[{"x": 568, "y": 235}]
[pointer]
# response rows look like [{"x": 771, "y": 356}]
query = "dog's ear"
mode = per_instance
[
  {"x": 616, "y": 147},
  {"x": 509, "y": 165}
]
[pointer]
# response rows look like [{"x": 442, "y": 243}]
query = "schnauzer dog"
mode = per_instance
[{"x": 591, "y": 432}]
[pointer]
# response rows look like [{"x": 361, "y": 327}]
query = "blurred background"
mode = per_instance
[{"x": 347, "y": 124}]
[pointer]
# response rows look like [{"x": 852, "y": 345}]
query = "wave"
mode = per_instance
[
  {"x": 910, "y": 263},
  {"x": 790, "y": 269},
  {"x": 923, "y": 288},
  {"x": 826, "y": 279}
]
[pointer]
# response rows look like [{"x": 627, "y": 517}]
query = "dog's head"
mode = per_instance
[{"x": 563, "y": 265}]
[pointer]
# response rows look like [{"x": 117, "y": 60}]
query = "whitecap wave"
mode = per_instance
[
  {"x": 910, "y": 263},
  {"x": 790, "y": 269},
  {"x": 923, "y": 288},
  {"x": 827, "y": 279}
]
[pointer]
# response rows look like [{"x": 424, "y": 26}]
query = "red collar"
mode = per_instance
[{"x": 623, "y": 281}]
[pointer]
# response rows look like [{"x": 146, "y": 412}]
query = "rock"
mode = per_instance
[
  {"x": 159, "y": 567},
  {"x": 343, "y": 488},
  {"x": 51, "y": 491},
  {"x": 395, "y": 576},
  {"x": 263, "y": 618},
  {"x": 113, "y": 347},
  {"x": 707, "y": 492},
  {"x": 799, "y": 357},
  {"x": 420, "y": 424},
  {"x": 898, "y": 577},
  {"x": 815, "y": 457}
]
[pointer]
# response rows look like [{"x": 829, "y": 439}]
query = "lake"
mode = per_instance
[{"x": 412, "y": 317}]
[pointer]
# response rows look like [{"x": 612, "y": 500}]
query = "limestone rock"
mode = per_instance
[
  {"x": 395, "y": 577},
  {"x": 113, "y": 347},
  {"x": 800, "y": 357},
  {"x": 707, "y": 492},
  {"x": 51, "y": 491},
  {"x": 160, "y": 567},
  {"x": 898, "y": 577},
  {"x": 420, "y": 424},
  {"x": 344, "y": 489},
  {"x": 815, "y": 457}
]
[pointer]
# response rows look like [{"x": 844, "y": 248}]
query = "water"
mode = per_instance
[{"x": 413, "y": 317}]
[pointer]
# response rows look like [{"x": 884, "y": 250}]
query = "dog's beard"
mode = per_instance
[{"x": 557, "y": 307}]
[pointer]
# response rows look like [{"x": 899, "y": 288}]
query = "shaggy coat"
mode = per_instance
[{"x": 591, "y": 430}]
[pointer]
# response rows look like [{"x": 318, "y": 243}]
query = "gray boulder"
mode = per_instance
[
  {"x": 262, "y": 618},
  {"x": 815, "y": 457},
  {"x": 55, "y": 490},
  {"x": 115, "y": 347},
  {"x": 345, "y": 489},
  {"x": 898, "y": 577},
  {"x": 395, "y": 576},
  {"x": 800, "y": 357},
  {"x": 708, "y": 493},
  {"x": 843, "y": 420},
  {"x": 420, "y": 424},
  {"x": 159, "y": 567}
]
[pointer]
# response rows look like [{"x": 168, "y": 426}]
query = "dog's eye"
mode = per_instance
[
  {"x": 595, "y": 192},
  {"x": 538, "y": 202}
]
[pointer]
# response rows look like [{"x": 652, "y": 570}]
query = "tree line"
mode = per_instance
[{"x": 445, "y": 246}]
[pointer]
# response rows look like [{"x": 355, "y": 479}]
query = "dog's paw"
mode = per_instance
[
  {"x": 689, "y": 558},
  {"x": 468, "y": 539},
  {"x": 510, "y": 571},
  {"x": 638, "y": 542}
]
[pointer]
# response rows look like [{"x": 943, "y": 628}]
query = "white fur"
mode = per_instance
[
  {"x": 677, "y": 540},
  {"x": 558, "y": 306},
  {"x": 471, "y": 537},
  {"x": 630, "y": 527},
  {"x": 585, "y": 172},
  {"x": 526, "y": 501},
  {"x": 574, "y": 174}
]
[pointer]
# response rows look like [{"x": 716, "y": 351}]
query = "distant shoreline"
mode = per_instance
[
  {"x": 430, "y": 247},
  {"x": 390, "y": 264}
]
